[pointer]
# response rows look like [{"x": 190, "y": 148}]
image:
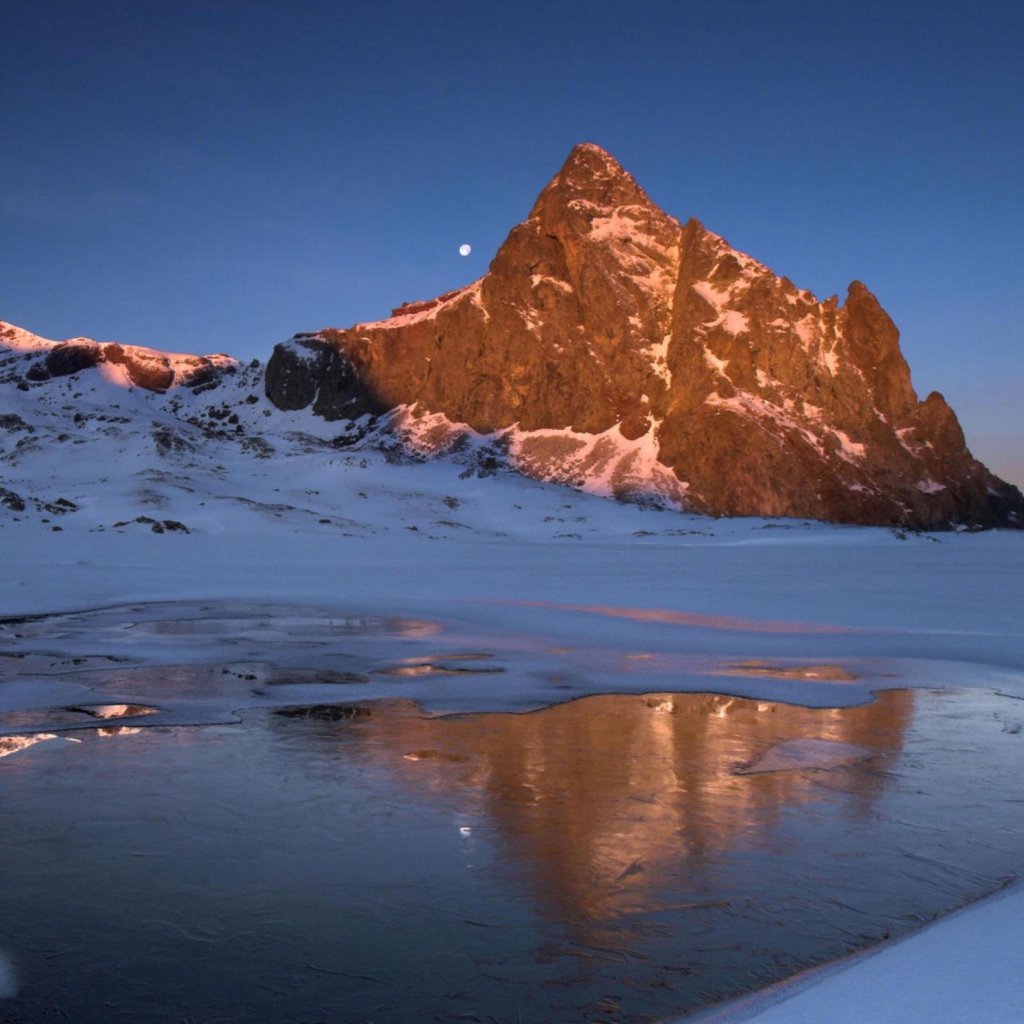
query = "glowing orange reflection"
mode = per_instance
[
  {"x": 601, "y": 798},
  {"x": 690, "y": 618}
]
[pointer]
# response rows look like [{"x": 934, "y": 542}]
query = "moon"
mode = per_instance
[{"x": 465, "y": 250}]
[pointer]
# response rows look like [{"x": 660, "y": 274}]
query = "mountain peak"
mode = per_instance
[
  {"x": 595, "y": 159},
  {"x": 592, "y": 177},
  {"x": 612, "y": 348}
]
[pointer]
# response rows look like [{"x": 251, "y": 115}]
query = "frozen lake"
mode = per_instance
[{"x": 220, "y": 811}]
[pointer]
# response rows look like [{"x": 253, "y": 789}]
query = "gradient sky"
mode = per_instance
[{"x": 217, "y": 176}]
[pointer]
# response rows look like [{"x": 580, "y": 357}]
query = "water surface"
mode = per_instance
[{"x": 614, "y": 858}]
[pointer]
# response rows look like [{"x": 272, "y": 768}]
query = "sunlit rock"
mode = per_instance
[{"x": 618, "y": 350}]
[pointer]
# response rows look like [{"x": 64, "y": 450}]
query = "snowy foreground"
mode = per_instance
[
  {"x": 353, "y": 532},
  {"x": 963, "y": 968}
]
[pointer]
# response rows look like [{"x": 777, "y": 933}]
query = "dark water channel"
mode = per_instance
[{"x": 616, "y": 858}]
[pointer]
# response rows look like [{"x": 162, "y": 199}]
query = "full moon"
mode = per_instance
[{"x": 465, "y": 250}]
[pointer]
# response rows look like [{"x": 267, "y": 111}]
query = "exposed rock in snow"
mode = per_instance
[{"x": 132, "y": 364}]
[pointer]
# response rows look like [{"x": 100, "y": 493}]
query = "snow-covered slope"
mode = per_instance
[{"x": 92, "y": 449}]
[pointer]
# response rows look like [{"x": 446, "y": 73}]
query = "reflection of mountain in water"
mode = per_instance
[{"x": 620, "y": 804}]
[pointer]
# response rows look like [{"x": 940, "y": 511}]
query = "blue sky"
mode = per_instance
[{"x": 219, "y": 175}]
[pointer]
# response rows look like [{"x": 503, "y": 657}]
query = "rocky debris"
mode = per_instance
[
  {"x": 203, "y": 375},
  {"x": 170, "y": 442},
  {"x": 258, "y": 447},
  {"x": 37, "y": 373},
  {"x": 60, "y": 507},
  {"x": 619, "y": 350},
  {"x": 12, "y": 422},
  {"x": 156, "y": 525},
  {"x": 11, "y": 500}
]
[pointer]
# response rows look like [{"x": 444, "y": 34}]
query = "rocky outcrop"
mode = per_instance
[
  {"x": 620, "y": 350},
  {"x": 64, "y": 360},
  {"x": 306, "y": 370},
  {"x": 141, "y": 367}
]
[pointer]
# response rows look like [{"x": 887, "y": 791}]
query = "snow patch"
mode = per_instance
[
  {"x": 658, "y": 354},
  {"x": 711, "y": 294},
  {"x": 605, "y": 464},
  {"x": 719, "y": 365},
  {"x": 732, "y": 321},
  {"x": 848, "y": 449},
  {"x": 904, "y": 436},
  {"x": 807, "y": 329},
  {"x": 555, "y": 282}
]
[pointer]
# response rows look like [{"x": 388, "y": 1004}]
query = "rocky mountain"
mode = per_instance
[
  {"x": 91, "y": 452},
  {"x": 609, "y": 348},
  {"x": 612, "y": 348},
  {"x": 131, "y": 365}
]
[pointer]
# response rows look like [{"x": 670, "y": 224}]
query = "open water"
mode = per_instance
[{"x": 217, "y": 814}]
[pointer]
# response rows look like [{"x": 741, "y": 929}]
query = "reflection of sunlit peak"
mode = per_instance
[
  {"x": 770, "y": 670},
  {"x": 116, "y": 710},
  {"x": 14, "y": 744},
  {"x": 434, "y": 755},
  {"x": 723, "y": 709},
  {"x": 417, "y": 669},
  {"x": 117, "y": 730},
  {"x": 604, "y": 796},
  {"x": 697, "y": 619}
]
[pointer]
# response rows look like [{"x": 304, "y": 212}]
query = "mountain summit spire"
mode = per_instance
[{"x": 591, "y": 175}]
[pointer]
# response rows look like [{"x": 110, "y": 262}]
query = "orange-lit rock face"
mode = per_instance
[
  {"x": 708, "y": 380},
  {"x": 600, "y": 798}
]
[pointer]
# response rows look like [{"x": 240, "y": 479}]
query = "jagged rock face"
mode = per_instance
[
  {"x": 142, "y": 367},
  {"x": 735, "y": 391}
]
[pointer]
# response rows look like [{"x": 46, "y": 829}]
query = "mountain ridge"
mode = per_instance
[{"x": 611, "y": 348}]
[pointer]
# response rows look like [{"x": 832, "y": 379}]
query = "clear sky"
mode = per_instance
[{"x": 216, "y": 176}]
